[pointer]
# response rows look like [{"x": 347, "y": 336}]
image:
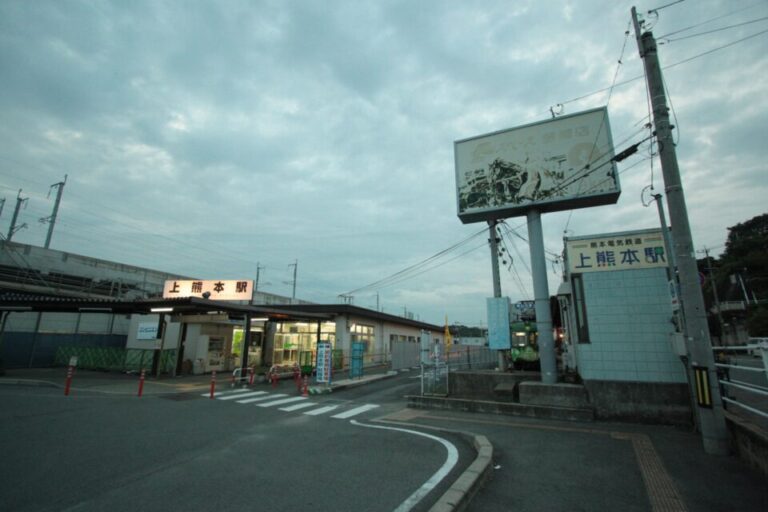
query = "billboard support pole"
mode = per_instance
[
  {"x": 494, "y": 241},
  {"x": 711, "y": 417},
  {"x": 541, "y": 296}
]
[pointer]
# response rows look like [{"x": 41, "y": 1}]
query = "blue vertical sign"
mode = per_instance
[
  {"x": 323, "y": 368},
  {"x": 498, "y": 323}
]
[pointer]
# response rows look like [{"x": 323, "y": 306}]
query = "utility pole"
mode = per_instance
[
  {"x": 256, "y": 284},
  {"x": 13, "y": 229},
  {"x": 494, "y": 241},
  {"x": 2, "y": 205},
  {"x": 710, "y": 411},
  {"x": 715, "y": 296},
  {"x": 295, "y": 266},
  {"x": 52, "y": 219}
]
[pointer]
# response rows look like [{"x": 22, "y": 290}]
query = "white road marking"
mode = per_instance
[
  {"x": 219, "y": 393},
  {"x": 242, "y": 395},
  {"x": 282, "y": 401},
  {"x": 260, "y": 398},
  {"x": 450, "y": 462},
  {"x": 355, "y": 411},
  {"x": 298, "y": 406},
  {"x": 322, "y": 410}
]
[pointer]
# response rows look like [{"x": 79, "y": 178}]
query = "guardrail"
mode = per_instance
[{"x": 757, "y": 394}]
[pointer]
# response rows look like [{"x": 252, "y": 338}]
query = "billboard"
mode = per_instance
[
  {"x": 617, "y": 251},
  {"x": 557, "y": 164},
  {"x": 498, "y": 323}
]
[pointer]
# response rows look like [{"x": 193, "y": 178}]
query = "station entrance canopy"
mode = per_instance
[{"x": 15, "y": 302}]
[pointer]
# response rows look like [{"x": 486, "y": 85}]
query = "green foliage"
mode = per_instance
[{"x": 757, "y": 321}]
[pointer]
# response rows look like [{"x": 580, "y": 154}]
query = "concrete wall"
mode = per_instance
[
  {"x": 642, "y": 402},
  {"x": 629, "y": 316}
]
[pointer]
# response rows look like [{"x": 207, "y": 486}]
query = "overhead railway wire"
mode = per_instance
[{"x": 417, "y": 268}]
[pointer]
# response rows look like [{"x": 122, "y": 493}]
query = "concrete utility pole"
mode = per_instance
[
  {"x": 258, "y": 270},
  {"x": 2, "y": 205},
  {"x": 710, "y": 411},
  {"x": 494, "y": 241},
  {"x": 295, "y": 266},
  {"x": 547, "y": 358},
  {"x": 715, "y": 296},
  {"x": 52, "y": 219},
  {"x": 13, "y": 229}
]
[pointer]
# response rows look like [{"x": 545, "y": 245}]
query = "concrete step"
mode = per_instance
[{"x": 505, "y": 408}]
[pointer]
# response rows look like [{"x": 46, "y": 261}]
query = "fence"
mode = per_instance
[
  {"x": 115, "y": 359},
  {"x": 743, "y": 376},
  {"x": 435, "y": 373}
]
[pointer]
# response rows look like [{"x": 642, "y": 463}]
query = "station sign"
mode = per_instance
[
  {"x": 618, "y": 251},
  {"x": 216, "y": 289}
]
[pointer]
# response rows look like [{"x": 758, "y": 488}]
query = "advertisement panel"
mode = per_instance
[
  {"x": 558, "y": 164},
  {"x": 216, "y": 289},
  {"x": 498, "y": 323},
  {"x": 616, "y": 251}
]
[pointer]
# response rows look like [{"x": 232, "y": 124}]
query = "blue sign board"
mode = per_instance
[{"x": 498, "y": 323}]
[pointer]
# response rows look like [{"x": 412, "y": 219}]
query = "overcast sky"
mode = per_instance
[{"x": 204, "y": 138}]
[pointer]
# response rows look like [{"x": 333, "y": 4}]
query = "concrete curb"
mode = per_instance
[
  {"x": 461, "y": 492},
  {"x": 354, "y": 384},
  {"x": 29, "y": 382},
  {"x": 458, "y": 496}
]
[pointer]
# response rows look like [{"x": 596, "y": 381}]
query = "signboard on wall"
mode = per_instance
[
  {"x": 552, "y": 165},
  {"x": 618, "y": 251},
  {"x": 147, "y": 331},
  {"x": 217, "y": 289},
  {"x": 498, "y": 323}
]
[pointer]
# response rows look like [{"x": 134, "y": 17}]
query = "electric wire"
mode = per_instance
[
  {"x": 710, "y": 20},
  {"x": 415, "y": 267},
  {"x": 715, "y": 30}
]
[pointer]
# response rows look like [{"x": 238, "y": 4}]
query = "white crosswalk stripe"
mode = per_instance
[
  {"x": 292, "y": 403},
  {"x": 260, "y": 398},
  {"x": 242, "y": 395},
  {"x": 296, "y": 407},
  {"x": 354, "y": 412},
  {"x": 220, "y": 393},
  {"x": 282, "y": 401},
  {"x": 321, "y": 410}
]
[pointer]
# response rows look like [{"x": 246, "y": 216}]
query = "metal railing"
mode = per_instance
[
  {"x": 750, "y": 391},
  {"x": 435, "y": 373}
]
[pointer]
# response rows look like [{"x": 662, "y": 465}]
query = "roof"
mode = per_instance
[
  {"x": 349, "y": 309},
  {"x": 21, "y": 302}
]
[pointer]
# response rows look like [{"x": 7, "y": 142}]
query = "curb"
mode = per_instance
[
  {"x": 29, "y": 382},
  {"x": 461, "y": 492}
]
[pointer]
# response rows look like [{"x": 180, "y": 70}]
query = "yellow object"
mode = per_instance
[{"x": 448, "y": 337}]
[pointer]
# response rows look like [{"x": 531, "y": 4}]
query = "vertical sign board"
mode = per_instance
[
  {"x": 323, "y": 366},
  {"x": 498, "y": 323},
  {"x": 426, "y": 342}
]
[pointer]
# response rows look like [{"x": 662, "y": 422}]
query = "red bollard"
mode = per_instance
[
  {"x": 305, "y": 391},
  {"x": 274, "y": 379},
  {"x": 213, "y": 382},
  {"x": 70, "y": 371},
  {"x": 141, "y": 383},
  {"x": 251, "y": 375}
]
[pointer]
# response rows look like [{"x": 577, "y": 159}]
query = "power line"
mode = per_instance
[
  {"x": 415, "y": 267},
  {"x": 717, "y": 29},
  {"x": 709, "y": 21}
]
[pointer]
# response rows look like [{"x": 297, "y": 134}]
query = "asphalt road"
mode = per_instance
[{"x": 92, "y": 451}]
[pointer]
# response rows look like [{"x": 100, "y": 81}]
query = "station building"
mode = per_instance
[
  {"x": 619, "y": 310},
  {"x": 113, "y": 316}
]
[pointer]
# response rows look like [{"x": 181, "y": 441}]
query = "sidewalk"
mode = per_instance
[
  {"x": 128, "y": 384},
  {"x": 564, "y": 466}
]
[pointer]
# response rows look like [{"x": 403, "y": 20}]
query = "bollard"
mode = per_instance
[
  {"x": 274, "y": 379},
  {"x": 251, "y": 375},
  {"x": 213, "y": 382},
  {"x": 141, "y": 383},
  {"x": 305, "y": 391},
  {"x": 232, "y": 381},
  {"x": 297, "y": 377},
  {"x": 70, "y": 371}
]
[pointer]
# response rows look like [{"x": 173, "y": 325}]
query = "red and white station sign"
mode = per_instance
[{"x": 217, "y": 289}]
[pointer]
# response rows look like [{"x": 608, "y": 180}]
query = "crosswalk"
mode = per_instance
[{"x": 299, "y": 404}]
